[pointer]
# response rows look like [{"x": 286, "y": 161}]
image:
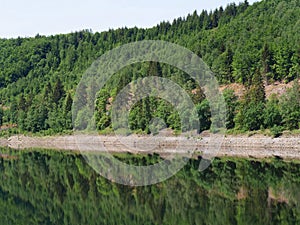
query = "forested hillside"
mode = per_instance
[{"x": 253, "y": 45}]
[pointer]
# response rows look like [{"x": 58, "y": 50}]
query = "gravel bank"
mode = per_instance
[{"x": 235, "y": 146}]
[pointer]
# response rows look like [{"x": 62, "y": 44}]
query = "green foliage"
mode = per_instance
[
  {"x": 276, "y": 131},
  {"x": 204, "y": 115},
  {"x": 290, "y": 107},
  {"x": 231, "y": 103},
  {"x": 251, "y": 110},
  {"x": 250, "y": 116},
  {"x": 58, "y": 91},
  {"x": 272, "y": 116},
  {"x": 1, "y": 116}
]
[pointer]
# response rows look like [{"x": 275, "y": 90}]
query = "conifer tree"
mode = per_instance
[{"x": 58, "y": 91}]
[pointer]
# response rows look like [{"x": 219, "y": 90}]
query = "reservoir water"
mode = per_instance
[{"x": 59, "y": 187}]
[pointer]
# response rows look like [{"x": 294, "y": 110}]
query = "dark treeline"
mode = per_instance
[{"x": 252, "y": 45}]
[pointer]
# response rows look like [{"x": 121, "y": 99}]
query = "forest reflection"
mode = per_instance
[{"x": 55, "y": 187}]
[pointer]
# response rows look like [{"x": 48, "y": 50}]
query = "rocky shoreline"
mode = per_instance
[{"x": 211, "y": 146}]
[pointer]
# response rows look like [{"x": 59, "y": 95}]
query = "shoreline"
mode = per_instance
[{"x": 256, "y": 146}]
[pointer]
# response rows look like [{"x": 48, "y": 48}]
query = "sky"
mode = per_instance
[{"x": 26, "y": 18}]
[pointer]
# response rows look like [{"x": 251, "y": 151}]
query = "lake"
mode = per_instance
[{"x": 56, "y": 187}]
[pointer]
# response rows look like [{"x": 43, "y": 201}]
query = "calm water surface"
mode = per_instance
[{"x": 50, "y": 187}]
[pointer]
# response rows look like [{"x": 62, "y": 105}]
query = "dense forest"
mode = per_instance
[
  {"x": 52, "y": 187},
  {"x": 253, "y": 45}
]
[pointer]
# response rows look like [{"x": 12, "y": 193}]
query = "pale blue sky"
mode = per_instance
[{"x": 46, "y": 17}]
